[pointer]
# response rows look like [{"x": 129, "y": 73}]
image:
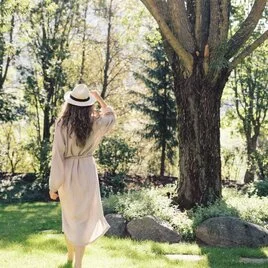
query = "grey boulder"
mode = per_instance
[
  {"x": 118, "y": 225},
  {"x": 230, "y": 232},
  {"x": 149, "y": 228}
]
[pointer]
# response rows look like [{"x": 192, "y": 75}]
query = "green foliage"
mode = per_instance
[
  {"x": 219, "y": 208},
  {"x": 115, "y": 155},
  {"x": 10, "y": 110},
  {"x": 220, "y": 62},
  {"x": 237, "y": 204},
  {"x": 13, "y": 152},
  {"x": 262, "y": 157},
  {"x": 258, "y": 188},
  {"x": 21, "y": 188},
  {"x": 114, "y": 183},
  {"x": 261, "y": 187},
  {"x": 41, "y": 153},
  {"x": 231, "y": 157}
]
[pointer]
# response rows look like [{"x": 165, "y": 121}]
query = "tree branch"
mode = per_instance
[
  {"x": 9, "y": 56},
  {"x": 181, "y": 24},
  {"x": 201, "y": 23},
  {"x": 236, "y": 97},
  {"x": 248, "y": 50},
  {"x": 246, "y": 29},
  {"x": 225, "y": 12},
  {"x": 186, "y": 58},
  {"x": 214, "y": 25}
]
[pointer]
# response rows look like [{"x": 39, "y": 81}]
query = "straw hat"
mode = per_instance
[{"x": 80, "y": 96}]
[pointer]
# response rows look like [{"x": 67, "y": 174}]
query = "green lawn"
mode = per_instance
[{"x": 30, "y": 236}]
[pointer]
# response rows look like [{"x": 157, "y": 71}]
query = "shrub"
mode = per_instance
[
  {"x": 219, "y": 208},
  {"x": 112, "y": 184},
  {"x": 154, "y": 201},
  {"x": 150, "y": 201},
  {"x": 115, "y": 155},
  {"x": 236, "y": 204},
  {"x": 22, "y": 188},
  {"x": 259, "y": 188}
]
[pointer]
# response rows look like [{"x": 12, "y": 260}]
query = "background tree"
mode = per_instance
[
  {"x": 13, "y": 154},
  {"x": 160, "y": 103},
  {"x": 9, "y": 109},
  {"x": 114, "y": 63},
  {"x": 250, "y": 87},
  {"x": 262, "y": 156},
  {"x": 7, "y": 26},
  {"x": 49, "y": 28},
  {"x": 202, "y": 56}
]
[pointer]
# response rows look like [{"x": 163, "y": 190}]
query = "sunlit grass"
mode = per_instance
[{"x": 30, "y": 236}]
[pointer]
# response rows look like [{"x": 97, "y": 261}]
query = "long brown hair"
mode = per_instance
[{"x": 79, "y": 120}]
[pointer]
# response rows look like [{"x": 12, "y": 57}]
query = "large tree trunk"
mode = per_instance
[
  {"x": 198, "y": 102},
  {"x": 196, "y": 32}
]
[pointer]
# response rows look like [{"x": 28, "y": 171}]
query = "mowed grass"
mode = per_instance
[{"x": 30, "y": 236}]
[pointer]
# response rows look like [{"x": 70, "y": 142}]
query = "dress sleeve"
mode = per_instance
[
  {"x": 106, "y": 120},
  {"x": 56, "y": 177}
]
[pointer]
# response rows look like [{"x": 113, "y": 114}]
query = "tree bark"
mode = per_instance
[
  {"x": 108, "y": 53},
  {"x": 251, "y": 151},
  {"x": 163, "y": 156},
  {"x": 164, "y": 143},
  {"x": 82, "y": 69},
  {"x": 198, "y": 102}
]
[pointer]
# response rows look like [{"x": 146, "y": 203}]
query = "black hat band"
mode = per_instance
[{"x": 75, "y": 99}]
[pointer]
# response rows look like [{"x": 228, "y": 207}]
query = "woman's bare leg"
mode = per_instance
[
  {"x": 70, "y": 248},
  {"x": 79, "y": 253}
]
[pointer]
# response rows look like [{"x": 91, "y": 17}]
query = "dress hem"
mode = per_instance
[{"x": 91, "y": 241}]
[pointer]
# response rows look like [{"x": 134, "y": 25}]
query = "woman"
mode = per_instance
[{"x": 78, "y": 131}]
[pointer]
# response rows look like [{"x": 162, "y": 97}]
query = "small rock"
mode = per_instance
[
  {"x": 118, "y": 225},
  {"x": 231, "y": 231},
  {"x": 149, "y": 228}
]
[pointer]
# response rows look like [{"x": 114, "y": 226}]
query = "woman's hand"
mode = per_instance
[
  {"x": 101, "y": 101},
  {"x": 53, "y": 195},
  {"x": 95, "y": 93}
]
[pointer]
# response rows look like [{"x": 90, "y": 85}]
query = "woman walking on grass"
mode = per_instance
[{"x": 78, "y": 131}]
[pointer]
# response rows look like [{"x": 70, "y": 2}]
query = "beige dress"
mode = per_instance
[{"x": 74, "y": 175}]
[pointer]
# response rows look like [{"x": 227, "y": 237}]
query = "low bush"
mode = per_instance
[
  {"x": 21, "y": 188},
  {"x": 259, "y": 188},
  {"x": 234, "y": 203},
  {"x": 150, "y": 201},
  {"x": 112, "y": 184},
  {"x": 155, "y": 202}
]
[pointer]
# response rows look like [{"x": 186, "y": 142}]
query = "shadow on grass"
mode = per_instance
[
  {"x": 20, "y": 222},
  {"x": 230, "y": 257},
  {"x": 140, "y": 253},
  {"x": 68, "y": 264}
]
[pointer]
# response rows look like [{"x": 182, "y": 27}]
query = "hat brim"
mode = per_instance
[{"x": 90, "y": 102}]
